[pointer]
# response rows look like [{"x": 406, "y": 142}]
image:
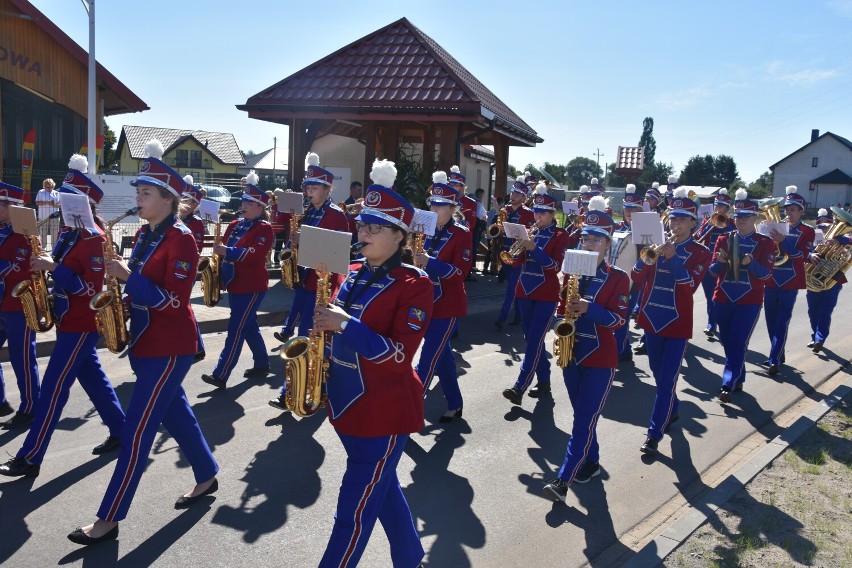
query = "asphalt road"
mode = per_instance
[{"x": 474, "y": 486}]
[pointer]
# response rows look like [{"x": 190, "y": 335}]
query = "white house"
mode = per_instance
[{"x": 820, "y": 169}]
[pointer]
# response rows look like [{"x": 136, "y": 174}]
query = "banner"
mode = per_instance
[
  {"x": 27, "y": 163},
  {"x": 84, "y": 150}
]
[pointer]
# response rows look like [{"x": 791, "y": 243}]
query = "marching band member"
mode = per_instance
[
  {"x": 665, "y": 309},
  {"x": 320, "y": 212},
  {"x": 280, "y": 222},
  {"x": 787, "y": 278},
  {"x": 632, "y": 202},
  {"x": 446, "y": 258},
  {"x": 671, "y": 186},
  {"x": 159, "y": 277},
  {"x": 600, "y": 310},
  {"x": 538, "y": 293},
  {"x": 468, "y": 208},
  {"x": 190, "y": 200},
  {"x": 375, "y": 399},
  {"x": 247, "y": 242},
  {"x": 707, "y": 234},
  {"x": 821, "y": 304},
  {"x": 77, "y": 266},
  {"x": 516, "y": 212},
  {"x": 742, "y": 264},
  {"x": 15, "y": 254},
  {"x": 656, "y": 203},
  {"x": 575, "y": 233}
]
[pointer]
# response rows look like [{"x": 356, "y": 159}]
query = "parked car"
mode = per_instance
[{"x": 217, "y": 193}]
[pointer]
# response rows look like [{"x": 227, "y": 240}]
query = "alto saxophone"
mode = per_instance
[
  {"x": 289, "y": 257},
  {"x": 563, "y": 343},
  {"x": 307, "y": 366},
  {"x": 36, "y": 299},
  {"x": 111, "y": 314},
  {"x": 208, "y": 268},
  {"x": 493, "y": 233}
]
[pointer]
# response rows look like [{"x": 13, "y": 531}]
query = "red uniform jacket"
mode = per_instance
[
  {"x": 797, "y": 245},
  {"x": 540, "y": 267},
  {"x": 330, "y": 217},
  {"x": 79, "y": 276},
  {"x": 752, "y": 278},
  {"x": 373, "y": 389},
  {"x": 162, "y": 323},
  {"x": 280, "y": 221},
  {"x": 467, "y": 205},
  {"x": 244, "y": 266},
  {"x": 197, "y": 228},
  {"x": 14, "y": 266},
  {"x": 666, "y": 289},
  {"x": 450, "y": 258}
]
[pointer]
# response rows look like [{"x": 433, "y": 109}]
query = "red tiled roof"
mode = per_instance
[{"x": 395, "y": 70}]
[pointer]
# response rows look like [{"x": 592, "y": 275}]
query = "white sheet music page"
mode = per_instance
[
  {"x": 516, "y": 231},
  {"x": 580, "y": 262},
  {"x": 647, "y": 228},
  {"x": 424, "y": 222}
]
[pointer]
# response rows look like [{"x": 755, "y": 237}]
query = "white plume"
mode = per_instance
[
  {"x": 527, "y": 174},
  {"x": 822, "y": 213},
  {"x": 594, "y": 181},
  {"x": 439, "y": 177},
  {"x": 681, "y": 192},
  {"x": 790, "y": 189},
  {"x": 154, "y": 149},
  {"x": 383, "y": 173},
  {"x": 723, "y": 191},
  {"x": 188, "y": 179},
  {"x": 252, "y": 178},
  {"x": 79, "y": 163},
  {"x": 520, "y": 178},
  {"x": 631, "y": 188},
  {"x": 312, "y": 159},
  {"x": 584, "y": 189},
  {"x": 540, "y": 189},
  {"x": 597, "y": 203},
  {"x": 672, "y": 179},
  {"x": 455, "y": 170},
  {"x": 655, "y": 185},
  {"x": 741, "y": 194}
]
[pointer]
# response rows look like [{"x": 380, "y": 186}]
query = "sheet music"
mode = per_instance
[
  {"x": 76, "y": 211},
  {"x": 765, "y": 228},
  {"x": 570, "y": 207},
  {"x": 424, "y": 222},
  {"x": 290, "y": 201},
  {"x": 208, "y": 210},
  {"x": 647, "y": 228},
  {"x": 23, "y": 220},
  {"x": 705, "y": 210},
  {"x": 318, "y": 245},
  {"x": 516, "y": 231},
  {"x": 819, "y": 237},
  {"x": 580, "y": 262}
]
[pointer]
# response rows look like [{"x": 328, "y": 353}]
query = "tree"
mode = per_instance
[
  {"x": 513, "y": 171},
  {"x": 647, "y": 141},
  {"x": 762, "y": 186},
  {"x": 658, "y": 171},
  {"x": 109, "y": 146},
  {"x": 706, "y": 170},
  {"x": 725, "y": 171},
  {"x": 580, "y": 170}
]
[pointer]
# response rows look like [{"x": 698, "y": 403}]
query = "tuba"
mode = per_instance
[
  {"x": 111, "y": 314},
  {"x": 36, "y": 300},
  {"x": 209, "y": 270},
  {"x": 771, "y": 210},
  {"x": 835, "y": 259},
  {"x": 563, "y": 343},
  {"x": 289, "y": 257},
  {"x": 307, "y": 366}
]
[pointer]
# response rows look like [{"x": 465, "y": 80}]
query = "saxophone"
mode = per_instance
[
  {"x": 493, "y": 233},
  {"x": 208, "y": 268},
  {"x": 307, "y": 366},
  {"x": 289, "y": 257},
  {"x": 111, "y": 314},
  {"x": 563, "y": 343},
  {"x": 35, "y": 298}
]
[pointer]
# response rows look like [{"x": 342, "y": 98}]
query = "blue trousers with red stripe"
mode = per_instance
[
  {"x": 511, "y": 274},
  {"x": 371, "y": 491},
  {"x": 75, "y": 356},
  {"x": 820, "y": 307},
  {"x": 22, "y": 355},
  {"x": 708, "y": 284},
  {"x": 242, "y": 327},
  {"x": 623, "y": 332},
  {"x": 779, "y": 310},
  {"x": 536, "y": 316},
  {"x": 665, "y": 355},
  {"x": 588, "y": 388},
  {"x": 302, "y": 310},
  {"x": 736, "y": 324},
  {"x": 158, "y": 398},
  {"x": 436, "y": 358}
]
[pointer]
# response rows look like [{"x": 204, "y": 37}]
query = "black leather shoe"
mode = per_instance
[
  {"x": 282, "y": 336},
  {"x": 199, "y": 356},
  {"x": 640, "y": 349},
  {"x": 6, "y": 409},
  {"x": 111, "y": 443},
  {"x": 19, "y": 467},
  {"x": 539, "y": 391},
  {"x": 772, "y": 370},
  {"x": 280, "y": 402},
  {"x": 557, "y": 489},
  {"x": 450, "y": 416},
  {"x": 211, "y": 380},
  {"x": 767, "y": 363},
  {"x": 649, "y": 447},
  {"x": 674, "y": 418},
  {"x": 725, "y": 395},
  {"x": 498, "y": 324},
  {"x": 811, "y": 344},
  {"x": 709, "y": 332},
  {"x": 257, "y": 372},
  {"x": 817, "y": 347},
  {"x": 514, "y": 395},
  {"x": 79, "y": 537},
  {"x": 185, "y": 502},
  {"x": 19, "y": 420}
]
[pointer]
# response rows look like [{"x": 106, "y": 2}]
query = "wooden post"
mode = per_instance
[
  {"x": 369, "y": 151},
  {"x": 501, "y": 165},
  {"x": 429, "y": 147},
  {"x": 449, "y": 143}
]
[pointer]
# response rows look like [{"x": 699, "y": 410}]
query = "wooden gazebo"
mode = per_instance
[{"x": 392, "y": 86}]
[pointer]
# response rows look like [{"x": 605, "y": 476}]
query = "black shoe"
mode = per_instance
[
  {"x": 539, "y": 391},
  {"x": 649, "y": 447},
  {"x": 185, "y": 502},
  {"x": 674, "y": 418},
  {"x": 211, "y": 380},
  {"x": 257, "y": 373},
  {"x": 6, "y": 409},
  {"x": 283, "y": 336},
  {"x": 280, "y": 402},
  {"x": 514, "y": 395},
  {"x": 767, "y": 363},
  {"x": 450, "y": 416},
  {"x": 498, "y": 324},
  {"x": 640, "y": 349},
  {"x": 79, "y": 537},
  {"x": 725, "y": 395},
  {"x": 19, "y": 420},
  {"x": 773, "y": 370},
  {"x": 817, "y": 347},
  {"x": 811, "y": 344},
  {"x": 199, "y": 356},
  {"x": 19, "y": 467},
  {"x": 111, "y": 443},
  {"x": 587, "y": 472},
  {"x": 709, "y": 331},
  {"x": 557, "y": 489}
]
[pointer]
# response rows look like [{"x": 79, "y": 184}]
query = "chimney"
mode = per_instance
[{"x": 814, "y": 134}]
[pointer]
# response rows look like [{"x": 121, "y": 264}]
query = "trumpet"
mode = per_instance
[
  {"x": 650, "y": 254},
  {"x": 510, "y": 256},
  {"x": 352, "y": 209}
]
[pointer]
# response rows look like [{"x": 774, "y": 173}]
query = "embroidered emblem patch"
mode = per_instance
[
  {"x": 416, "y": 317},
  {"x": 622, "y": 301},
  {"x": 261, "y": 240},
  {"x": 97, "y": 263},
  {"x": 182, "y": 269}
]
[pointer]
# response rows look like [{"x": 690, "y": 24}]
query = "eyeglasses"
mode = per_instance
[
  {"x": 596, "y": 241},
  {"x": 372, "y": 228}
]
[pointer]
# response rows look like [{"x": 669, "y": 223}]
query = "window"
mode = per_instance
[
  {"x": 195, "y": 158},
  {"x": 814, "y": 162},
  {"x": 182, "y": 158}
]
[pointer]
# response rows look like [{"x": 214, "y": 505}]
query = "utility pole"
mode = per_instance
[
  {"x": 598, "y": 157},
  {"x": 274, "y": 151},
  {"x": 89, "y": 5}
]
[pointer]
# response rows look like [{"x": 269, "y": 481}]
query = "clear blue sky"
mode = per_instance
[{"x": 745, "y": 78}]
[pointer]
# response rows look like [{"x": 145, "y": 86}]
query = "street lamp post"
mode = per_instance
[{"x": 89, "y": 5}]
